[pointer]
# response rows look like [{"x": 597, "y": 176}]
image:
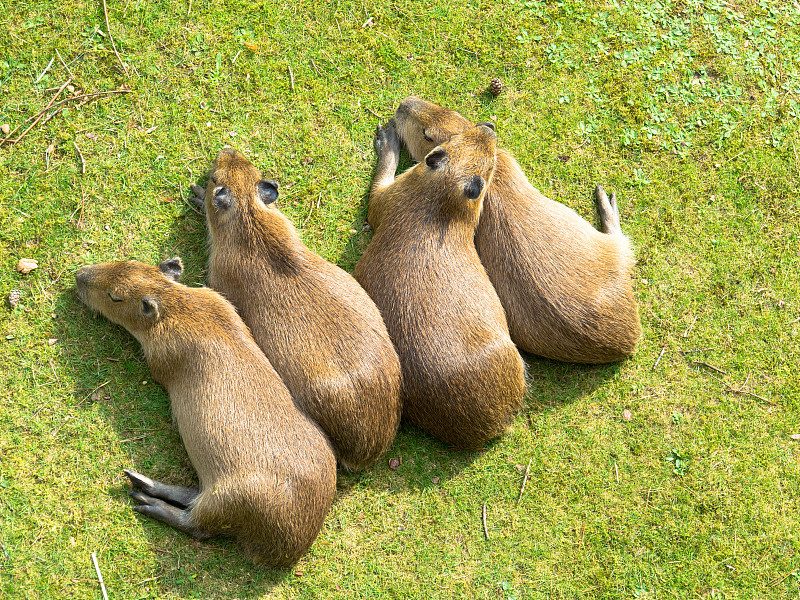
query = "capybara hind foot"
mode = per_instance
[
  {"x": 608, "y": 211},
  {"x": 165, "y": 512},
  {"x": 174, "y": 494}
]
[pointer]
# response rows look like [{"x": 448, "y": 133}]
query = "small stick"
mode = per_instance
[
  {"x": 663, "y": 348},
  {"x": 700, "y": 363},
  {"x": 372, "y": 112},
  {"x": 188, "y": 12},
  {"x": 46, "y": 69},
  {"x": 199, "y": 137},
  {"x": 95, "y": 389},
  {"x": 111, "y": 37},
  {"x": 688, "y": 329},
  {"x": 291, "y": 78},
  {"x": 133, "y": 439},
  {"x": 180, "y": 189},
  {"x": 730, "y": 388},
  {"x": 778, "y": 580},
  {"x": 39, "y": 114},
  {"x": 616, "y": 471},
  {"x": 485, "y": 530},
  {"x": 63, "y": 63},
  {"x": 524, "y": 480},
  {"x": 696, "y": 350},
  {"x": 80, "y": 154},
  {"x": 99, "y": 576}
]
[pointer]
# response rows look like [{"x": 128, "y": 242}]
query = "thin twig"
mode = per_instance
[
  {"x": 99, "y": 576},
  {"x": 46, "y": 69},
  {"x": 778, "y": 580},
  {"x": 188, "y": 12},
  {"x": 730, "y": 388},
  {"x": 696, "y": 350},
  {"x": 688, "y": 329},
  {"x": 372, "y": 112},
  {"x": 663, "y": 349},
  {"x": 189, "y": 204},
  {"x": 485, "y": 530},
  {"x": 133, "y": 439},
  {"x": 39, "y": 115},
  {"x": 94, "y": 390},
  {"x": 80, "y": 155},
  {"x": 700, "y": 363},
  {"x": 199, "y": 137},
  {"x": 291, "y": 78},
  {"x": 63, "y": 63},
  {"x": 524, "y": 480},
  {"x": 111, "y": 37}
]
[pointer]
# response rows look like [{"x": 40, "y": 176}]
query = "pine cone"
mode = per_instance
[
  {"x": 13, "y": 297},
  {"x": 495, "y": 87}
]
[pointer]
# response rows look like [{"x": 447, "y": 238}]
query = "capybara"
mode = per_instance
[
  {"x": 314, "y": 322},
  {"x": 463, "y": 378},
  {"x": 267, "y": 471},
  {"x": 565, "y": 286}
]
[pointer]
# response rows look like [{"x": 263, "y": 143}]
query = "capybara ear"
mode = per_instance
[
  {"x": 474, "y": 186},
  {"x": 172, "y": 268},
  {"x": 149, "y": 308},
  {"x": 223, "y": 197},
  {"x": 267, "y": 191},
  {"x": 486, "y": 124},
  {"x": 436, "y": 158}
]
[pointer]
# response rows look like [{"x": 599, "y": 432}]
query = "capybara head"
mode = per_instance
[
  {"x": 130, "y": 293},
  {"x": 423, "y": 125},
  {"x": 462, "y": 168},
  {"x": 234, "y": 191}
]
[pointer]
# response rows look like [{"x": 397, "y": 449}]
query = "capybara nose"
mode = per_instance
[{"x": 82, "y": 276}]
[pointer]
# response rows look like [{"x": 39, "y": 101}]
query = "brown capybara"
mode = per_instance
[
  {"x": 267, "y": 472},
  {"x": 565, "y": 286},
  {"x": 463, "y": 378},
  {"x": 314, "y": 322}
]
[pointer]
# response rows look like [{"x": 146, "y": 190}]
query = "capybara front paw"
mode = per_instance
[
  {"x": 387, "y": 142},
  {"x": 199, "y": 198}
]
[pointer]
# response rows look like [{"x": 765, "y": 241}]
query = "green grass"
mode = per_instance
[{"x": 687, "y": 109}]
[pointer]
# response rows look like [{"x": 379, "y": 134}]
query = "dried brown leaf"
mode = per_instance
[
  {"x": 627, "y": 415},
  {"x": 394, "y": 463}
]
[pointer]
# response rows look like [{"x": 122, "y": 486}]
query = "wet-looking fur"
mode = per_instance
[
  {"x": 267, "y": 472},
  {"x": 463, "y": 379},
  {"x": 314, "y": 322},
  {"x": 565, "y": 286}
]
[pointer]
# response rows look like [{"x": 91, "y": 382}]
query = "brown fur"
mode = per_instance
[
  {"x": 565, "y": 286},
  {"x": 267, "y": 472},
  {"x": 313, "y": 321},
  {"x": 463, "y": 379}
]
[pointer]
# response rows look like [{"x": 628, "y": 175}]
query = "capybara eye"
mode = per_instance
[
  {"x": 486, "y": 124},
  {"x": 425, "y": 136},
  {"x": 113, "y": 297}
]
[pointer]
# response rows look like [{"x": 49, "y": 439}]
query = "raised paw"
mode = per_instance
[
  {"x": 199, "y": 198},
  {"x": 607, "y": 211},
  {"x": 386, "y": 141}
]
